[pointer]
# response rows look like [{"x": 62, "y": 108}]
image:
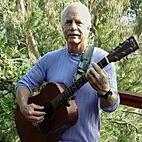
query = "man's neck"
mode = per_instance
[{"x": 76, "y": 49}]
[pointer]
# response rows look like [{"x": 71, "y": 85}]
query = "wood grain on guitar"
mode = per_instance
[{"x": 54, "y": 97}]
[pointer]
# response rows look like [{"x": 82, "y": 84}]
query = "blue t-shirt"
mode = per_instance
[{"x": 59, "y": 66}]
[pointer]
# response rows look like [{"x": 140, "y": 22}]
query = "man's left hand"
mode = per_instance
[{"x": 98, "y": 79}]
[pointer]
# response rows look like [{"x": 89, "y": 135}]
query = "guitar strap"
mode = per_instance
[{"x": 84, "y": 62}]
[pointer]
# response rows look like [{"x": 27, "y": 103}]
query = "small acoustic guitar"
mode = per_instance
[{"x": 60, "y": 108}]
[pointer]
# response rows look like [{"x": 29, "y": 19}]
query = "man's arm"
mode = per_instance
[
  {"x": 31, "y": 112},
  {"x": 22, "y": 95}
]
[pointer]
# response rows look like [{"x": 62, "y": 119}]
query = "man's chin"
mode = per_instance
[{"x": 75, "y": 41}]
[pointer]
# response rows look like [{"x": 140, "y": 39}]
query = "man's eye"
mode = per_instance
[
  {"x": 68, "y": 22},
  {"x": 78, "y": 22}
]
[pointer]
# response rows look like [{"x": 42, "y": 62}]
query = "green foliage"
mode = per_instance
[
  {"x": 113, "y": 21},
  {"x": 124, "y": 125},
  {"x": 11, "y": 71}
]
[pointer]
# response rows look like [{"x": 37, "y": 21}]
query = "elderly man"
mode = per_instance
[{"x": 60, "y": 66}]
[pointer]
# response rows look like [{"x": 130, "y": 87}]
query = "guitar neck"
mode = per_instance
[{"x": 63, "y": 97}]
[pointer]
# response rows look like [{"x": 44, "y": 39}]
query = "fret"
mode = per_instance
[
  {"x": 73, "y": 87},
  {"x": 103, "y": 62}
]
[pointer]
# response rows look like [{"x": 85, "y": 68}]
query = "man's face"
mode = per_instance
[{"x": 75, "y": 27}]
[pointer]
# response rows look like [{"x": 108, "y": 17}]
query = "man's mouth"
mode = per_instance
[{"x": 73, "y": 35}]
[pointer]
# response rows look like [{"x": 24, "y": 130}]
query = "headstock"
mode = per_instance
[{"x": 123, "y": 49}]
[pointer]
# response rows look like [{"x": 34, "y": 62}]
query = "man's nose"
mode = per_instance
[{"x": 73, "y": 26}]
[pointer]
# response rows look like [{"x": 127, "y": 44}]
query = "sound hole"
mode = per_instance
[
  {"x": 48, "y": 109},
  {"x": 48, "y": 122}
]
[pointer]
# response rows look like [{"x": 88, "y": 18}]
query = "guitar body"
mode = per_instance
[{"x": 63, "y": 115}]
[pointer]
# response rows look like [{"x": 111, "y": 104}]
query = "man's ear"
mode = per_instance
[
  {"x": 89, "y": 27},
  {"x": 92, "y": 32}
]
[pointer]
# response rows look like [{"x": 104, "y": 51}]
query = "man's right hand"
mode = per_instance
[{"x": 33, "y": 112}]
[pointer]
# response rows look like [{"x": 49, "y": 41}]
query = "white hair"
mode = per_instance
[{"x": 81, "y": 7}]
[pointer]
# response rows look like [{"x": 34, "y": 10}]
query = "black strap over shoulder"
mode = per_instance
[{"x": 84, "y": 62}]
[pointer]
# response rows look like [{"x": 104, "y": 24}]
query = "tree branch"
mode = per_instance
[{"x": 32, "y": 46}]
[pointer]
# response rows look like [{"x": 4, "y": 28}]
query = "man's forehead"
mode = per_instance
[
  {"x": 74, "y": 12},
  {"x": 75, "y": 9}
]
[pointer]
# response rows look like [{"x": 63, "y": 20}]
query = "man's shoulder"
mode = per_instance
[
  {"x": 53, "y": 53},
  {"x": 57, "y": 51}
]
